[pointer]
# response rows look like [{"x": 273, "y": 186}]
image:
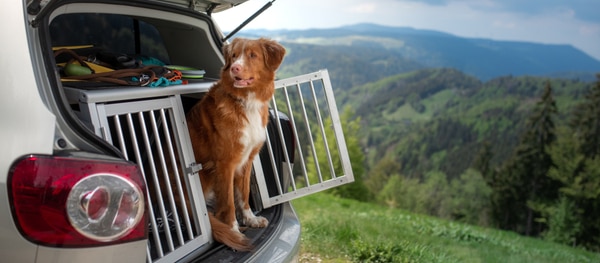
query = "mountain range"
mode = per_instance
[{"x": 414, "y": 48}]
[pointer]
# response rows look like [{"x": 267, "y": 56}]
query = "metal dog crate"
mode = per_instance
[{"x": 148, "y": 126}]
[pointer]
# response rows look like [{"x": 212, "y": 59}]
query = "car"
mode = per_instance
[{"x": 97, "y": 164}]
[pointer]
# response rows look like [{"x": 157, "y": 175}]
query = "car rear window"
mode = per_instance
[{"x": 114, "y": 33}]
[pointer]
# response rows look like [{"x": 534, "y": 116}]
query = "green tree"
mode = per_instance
[
  {"x": 580, "y": 194},
  {"x": 586, "y": 121},
  {"x": 470, "y": 198},
  {"x": 379, "y": 175},
  {"x": 507, "y": 200},
  {"x": 564, "y": 222},
  {"x": 392, "y": 193},
  {"x": 402, "y": 192},
  {"x": 562, "y": 217},
  {"x": 577, "y": 158},
  {"x": 526, "y": 171},
  {"x": 433, "y": 194}
]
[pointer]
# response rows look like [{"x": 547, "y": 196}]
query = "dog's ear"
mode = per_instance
[
  {"x": 273, "y": 53},
  {"x": 226, "y": 52}
]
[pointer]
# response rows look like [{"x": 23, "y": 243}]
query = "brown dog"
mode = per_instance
[{"x": 227, "y": 129}]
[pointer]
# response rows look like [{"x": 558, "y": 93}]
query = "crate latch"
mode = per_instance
[{"x": 194, "y": 168}]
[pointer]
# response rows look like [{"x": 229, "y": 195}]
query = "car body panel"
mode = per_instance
[
  {"x": 285, "y": 246},
  {"x": 25, "y": 118},
  {"x": 126, "y": 252},
  {"x": 27, "y": 125}
]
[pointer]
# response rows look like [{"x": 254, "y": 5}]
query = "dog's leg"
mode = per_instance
[
  {"x": 242, "y": 184},
  {"x": 224, "y": 195}
]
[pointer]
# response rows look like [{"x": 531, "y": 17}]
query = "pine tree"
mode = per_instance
[
  {"x": 577, "y": 158},
  {"x": 521, "y": 183},
  {"x": 507, "y": 197},
  {"x": 539, "y": 137},
  {"x": 586, "y": 122},
  {"x": 563, "y": 217}
]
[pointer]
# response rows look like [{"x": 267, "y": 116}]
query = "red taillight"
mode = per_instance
[{"x": 70, "y": 202}]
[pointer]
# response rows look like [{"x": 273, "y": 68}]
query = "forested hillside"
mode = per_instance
[{"x": 437, "y": 119}]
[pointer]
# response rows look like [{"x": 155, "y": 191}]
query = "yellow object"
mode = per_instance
[
  {"x": 72, "y": 47},
  {"x": 97, "y": 68}
]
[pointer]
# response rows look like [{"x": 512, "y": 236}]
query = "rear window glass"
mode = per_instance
[{"x": 109, "y": 32}]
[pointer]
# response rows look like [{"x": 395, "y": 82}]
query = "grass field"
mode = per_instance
[{"x": 342, "y": 230}]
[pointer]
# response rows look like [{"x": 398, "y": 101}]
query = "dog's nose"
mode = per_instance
[{"x": 236, "y": 68}]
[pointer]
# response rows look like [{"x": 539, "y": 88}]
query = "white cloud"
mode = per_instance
[
  {"x": 364, "y": 8},
  {"x": 504, "y": 24}
]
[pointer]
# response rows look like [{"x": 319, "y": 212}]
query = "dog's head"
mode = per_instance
[{"x": 251, "y": 63}]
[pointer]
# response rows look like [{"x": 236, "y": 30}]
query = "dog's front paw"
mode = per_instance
[
  {"x": 257, "y": 221},
  {"x": 254, "y": 221}
]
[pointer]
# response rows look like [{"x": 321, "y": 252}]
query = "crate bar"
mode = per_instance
[
  {"x": 284, "y": 86},
  {"x": 294, "y": 126},
  {"x": 337, "y": 127},
  {"x": 310, "y": 138},
  {"x": 119, "y": 130},
  {"x": 138, "y": 158},
  {"x": 322, "y": 129},
  {"x": 176, "y": 175},
  {"x": 136, "y": 106},
  {"x": 191, "y": 247},
  {"x": 135, "y": 93},
  {"x": 309, "y": 190},
  {"x": 157, "y": 187},
  {"x": 296, "y": 138},
  {"x": 260, "y": 179},
  {"x": 284, "y": 148},
  {"x": 167, "y": 180},
  {"x": 102, "y": 130},
  {"x": 273, "y": 164}
]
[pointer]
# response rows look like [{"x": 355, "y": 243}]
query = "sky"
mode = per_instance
[{"x": 573, "y": 22}]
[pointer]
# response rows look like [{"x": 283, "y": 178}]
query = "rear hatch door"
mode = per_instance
[{"x": 205, "y": 6}]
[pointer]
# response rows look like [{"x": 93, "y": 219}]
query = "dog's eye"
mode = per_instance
[
  {"x": 233, "y": 55},
  {"x": 253, "y": 55}
]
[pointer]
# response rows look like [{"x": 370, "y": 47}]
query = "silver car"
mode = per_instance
[{"x": 98, "y": 167}]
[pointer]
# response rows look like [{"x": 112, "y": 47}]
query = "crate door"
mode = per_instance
[
  {"x": 305, "y": 113},
  {"x": 153, "y": 134}
]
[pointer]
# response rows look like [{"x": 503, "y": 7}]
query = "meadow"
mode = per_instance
[{"x": 342, "y": 230}]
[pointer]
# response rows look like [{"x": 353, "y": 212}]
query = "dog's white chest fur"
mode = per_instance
[{"x": 253, "y": 131}]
